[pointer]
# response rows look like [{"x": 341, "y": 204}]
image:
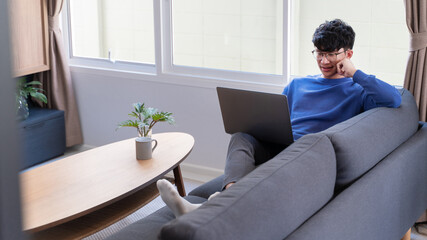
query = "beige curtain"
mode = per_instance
[
  {"x": 57, "y": 82},
  {"x": 416, "y": 71}
]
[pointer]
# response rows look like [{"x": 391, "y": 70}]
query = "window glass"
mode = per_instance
[
  {"x": 382, "y": 38},
  {"x": 117, "y": 30},
  {"x": 229, "y": 34}
]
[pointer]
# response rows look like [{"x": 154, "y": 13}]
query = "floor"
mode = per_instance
[
  {"x": 158, "y": 203},
  {"x": 422, "y": 234}
]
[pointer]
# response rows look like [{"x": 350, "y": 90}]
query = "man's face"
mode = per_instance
[{"x": 327, "y": 62}]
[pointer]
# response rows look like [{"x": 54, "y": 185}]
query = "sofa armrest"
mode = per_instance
[{"x": 268, "y": 203}]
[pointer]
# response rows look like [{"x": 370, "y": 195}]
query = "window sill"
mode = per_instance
[{"x": 177, "y": 79}]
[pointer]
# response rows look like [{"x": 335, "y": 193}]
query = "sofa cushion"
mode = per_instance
[
  {"x": 268, "y": 203},
  {"x": 362, "y": 141}
]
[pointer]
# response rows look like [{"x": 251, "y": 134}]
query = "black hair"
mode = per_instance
[{"x": 333, "y": 35}]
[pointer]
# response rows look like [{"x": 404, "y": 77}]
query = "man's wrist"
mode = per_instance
[
  {"x": 359, "y": 75},
  {"x": 353, "y": 73}
]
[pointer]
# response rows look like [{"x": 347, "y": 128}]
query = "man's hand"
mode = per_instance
[{"x": 346, "y": 68}]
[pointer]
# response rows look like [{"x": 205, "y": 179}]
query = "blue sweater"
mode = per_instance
[{"x": 317, "y": 103}]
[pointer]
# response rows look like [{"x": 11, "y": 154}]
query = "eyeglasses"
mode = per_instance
[{"x": 332, "y": 57}]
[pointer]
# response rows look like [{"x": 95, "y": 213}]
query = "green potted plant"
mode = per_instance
[
  {"x": 145, "y": 119},
  {"x": 24, "y": 90}
]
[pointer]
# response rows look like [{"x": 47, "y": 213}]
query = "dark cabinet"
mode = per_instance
[{"x": 42, "y": 136}]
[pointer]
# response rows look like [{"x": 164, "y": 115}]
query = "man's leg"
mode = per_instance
[
  {"x": 174, "y": 201},
  {"x": 244, "y": 154}
]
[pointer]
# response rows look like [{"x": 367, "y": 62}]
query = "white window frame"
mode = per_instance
[
  {"x": 98, "y": 63},
  {"x": 164, "y": 68}
]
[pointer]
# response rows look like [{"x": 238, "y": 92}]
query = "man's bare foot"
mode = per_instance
[{"x": 229, "y": 185}]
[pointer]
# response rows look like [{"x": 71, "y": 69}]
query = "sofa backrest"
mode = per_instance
[
  {"x": 362, "y": 141},
  {"x": 279, "y": 195},
  {"x": 381, "y": 205}
]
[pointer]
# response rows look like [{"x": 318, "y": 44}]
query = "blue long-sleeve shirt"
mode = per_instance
[{"x": 317, "y": 103}]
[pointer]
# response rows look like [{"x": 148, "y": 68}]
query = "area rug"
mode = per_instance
[{"x": 139, "y": 214}]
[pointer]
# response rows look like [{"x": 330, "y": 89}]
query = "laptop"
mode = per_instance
[{"x": 262, "y": 115}]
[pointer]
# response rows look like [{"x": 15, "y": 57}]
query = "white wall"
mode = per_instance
[{"x": 105, "y": 98}]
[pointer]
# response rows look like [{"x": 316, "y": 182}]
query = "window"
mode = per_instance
[
  {"x": 382, "y": 39},
  {"x": 229, "y": 34},
  {"x": 115, "y": 30},
  {"x": 245, "y": 40},
  {"x": 222, "y": 39}
]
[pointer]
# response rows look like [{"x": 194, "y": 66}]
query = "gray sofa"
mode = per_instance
[{"x": 364, "y": 178}]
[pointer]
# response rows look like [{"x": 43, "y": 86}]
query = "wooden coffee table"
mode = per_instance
[{"x": 81, "y": 194}]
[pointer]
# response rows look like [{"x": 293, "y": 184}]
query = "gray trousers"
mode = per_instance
[{"x": 244, "y": 154}]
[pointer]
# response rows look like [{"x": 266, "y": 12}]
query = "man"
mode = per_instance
[{"x": 315, "y": 104}]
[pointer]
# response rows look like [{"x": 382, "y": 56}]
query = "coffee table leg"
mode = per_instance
[{"x": 178, "y": 181}]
